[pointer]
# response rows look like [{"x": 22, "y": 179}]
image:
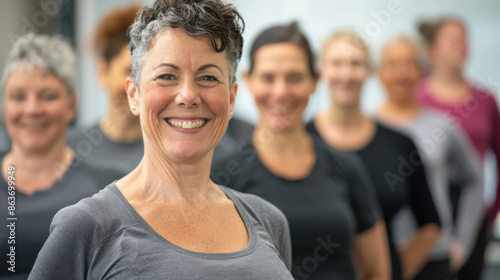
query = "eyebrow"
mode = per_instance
[
  {"x": 177, "y": 67},
  {"x": 168, "y": 65},
  {"x": 209, "y": 66}
]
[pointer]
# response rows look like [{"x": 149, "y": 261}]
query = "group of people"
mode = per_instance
[{"x": 169, "y": 185}]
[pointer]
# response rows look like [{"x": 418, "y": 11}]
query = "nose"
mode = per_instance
[
  {"x": 280, "y": 88},
  {"x": 33, "y": 106},
  {"x": 188, "y": 95}
]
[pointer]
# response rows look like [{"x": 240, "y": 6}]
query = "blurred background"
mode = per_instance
[{"x": 376, "y": 20}]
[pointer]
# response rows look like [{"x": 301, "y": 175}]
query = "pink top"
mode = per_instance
[{"x": 479, "y": 119}]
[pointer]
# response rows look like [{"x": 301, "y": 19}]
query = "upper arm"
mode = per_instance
[
  {"x": 363, "y": 198},
  {"x": 67, "y": 252},
  {"x": 372, "y": 254}
]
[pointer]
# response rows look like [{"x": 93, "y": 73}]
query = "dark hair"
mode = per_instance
[
  {"x": 283, "y": 34},
  {"x": 429, "y": 29},
  {"x": 111, "y": 34},
  {"x": 220, "y": 22}
]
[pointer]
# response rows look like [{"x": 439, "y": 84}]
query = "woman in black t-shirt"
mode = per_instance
[
  {"x": 325, "y": 195},
  {"x": 391, "y": 158}
]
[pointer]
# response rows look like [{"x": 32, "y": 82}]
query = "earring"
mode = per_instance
[
  {"x": 230, "y": 115},
  {"x": 133, "y": 107}
]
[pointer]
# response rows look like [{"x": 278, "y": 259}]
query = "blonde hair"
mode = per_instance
[{"x": 350, "y": 37}]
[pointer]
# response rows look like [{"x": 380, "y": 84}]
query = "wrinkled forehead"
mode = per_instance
[{"x": 174, "y": 45}]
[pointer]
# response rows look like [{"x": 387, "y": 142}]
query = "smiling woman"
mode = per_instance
[
  {"x": 39, "y": 99},
  {"x": 167, "y": 212}
]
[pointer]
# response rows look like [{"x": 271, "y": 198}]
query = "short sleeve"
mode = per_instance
[
  {"x": 281, "y": 233},
  {"x": 421, "y": 201},
  {"x": 362, "y": 196},
  {"x": 67, "y": 252},
  {"x": 273, "y": 220}
]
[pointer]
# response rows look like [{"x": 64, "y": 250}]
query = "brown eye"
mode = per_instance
[
  {"x": 268, "y": 79},
  {"x": 294, "y": 78},
  {"x": 167, "y": 77},
  {"x": 208, "y": 81}
]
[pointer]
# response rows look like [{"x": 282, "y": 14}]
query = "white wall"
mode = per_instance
[{"x": 319, "y": 18}]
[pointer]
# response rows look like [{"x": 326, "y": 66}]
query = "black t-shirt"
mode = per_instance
[
  {"x": 325, "y": 210},
  {"x": 34, "y": 213},
  {"x": 396, "y": 170}
]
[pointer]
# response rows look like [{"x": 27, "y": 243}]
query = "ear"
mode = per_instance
[
  {"x": 132, "y": 95},
  {"x": 232, "y": 95},
  {"x": 102, "y": 71},
  {"x": 72, "y": 108}
]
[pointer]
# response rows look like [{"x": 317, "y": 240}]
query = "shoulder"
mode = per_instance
[
  {"x": 228, "y": 168},
  {"x": 101, "y": 175},
  {"x": 93, "y": 217},
  {"x": 261, "y": 210},
  {"x": 394, "y": 138}
]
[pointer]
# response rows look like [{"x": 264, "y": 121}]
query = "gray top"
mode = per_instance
[
  {"x": 92, "y": 145},
  {"x": 34, "y": 212},
  {"x": 103, "y": 237},
  {"x": 446, "y": 154}
]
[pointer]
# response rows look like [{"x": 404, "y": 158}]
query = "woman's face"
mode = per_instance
[
  {"x": 37, "y": 109},
  {"x": 184, "y": 97},
  {"x": 450, "y": 46},
  {"x": 112, "y": 78},
  {"x": 281, "y": 84},
  {"x": 345, "y": 68},
  {"x": 399, "y": 70}
]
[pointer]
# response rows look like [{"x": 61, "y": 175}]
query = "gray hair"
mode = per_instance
[
  {"x": 53, "y": 54},
  {"x": 220, "y": 22},
  {"x": 420, "y": 59}
]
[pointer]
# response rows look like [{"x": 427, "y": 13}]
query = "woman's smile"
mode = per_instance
[{"x": 182, "y": 124}]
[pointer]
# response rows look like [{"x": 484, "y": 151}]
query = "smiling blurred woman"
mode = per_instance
[
  {"x": 444, "y": 152},
  {"x": 167, "y": 219},
  {"x": 39, "y": 103},
  {"x": 325, "y": 195},
  {"x": 391, "y": 158},
  {"x": 117, "y": 139}
]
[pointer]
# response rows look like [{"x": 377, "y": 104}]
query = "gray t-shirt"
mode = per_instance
[
  {"x": 103, "y": 237},
  {"x": 446, "y": 154},
  {"x": 93, "y": 146},
  {"x": 34, "y": 213}
]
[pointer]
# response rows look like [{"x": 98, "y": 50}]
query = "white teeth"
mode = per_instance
[{"x": 186, "y": 125}]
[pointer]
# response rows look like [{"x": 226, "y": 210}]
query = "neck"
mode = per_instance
[
  {"x": 447, "y": 76},
  {"x": 290, "y": 142},
  {"x": 399, "y": 112},
  {"x": 346, "y": 116},
  {"x": 41, "y": 168},
  {"x": 120, "y": 126},
  {"x": 157, "y": 179}
]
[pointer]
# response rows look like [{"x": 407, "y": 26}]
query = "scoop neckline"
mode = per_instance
[
  {"x": 252, "y": 239},
  {"x": 366, "y": 146},
  {"x": 298, "y": 180}
]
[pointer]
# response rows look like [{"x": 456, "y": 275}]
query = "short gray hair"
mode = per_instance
[
  {"x": 220, "y": 22},
  {"x": 409, "y": 40},
  {"x": 53, "y": 54}
]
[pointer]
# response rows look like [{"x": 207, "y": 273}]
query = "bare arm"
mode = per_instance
[
  {"x": 415, "y": 253},
  {"x": 372, "y": 253}
]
